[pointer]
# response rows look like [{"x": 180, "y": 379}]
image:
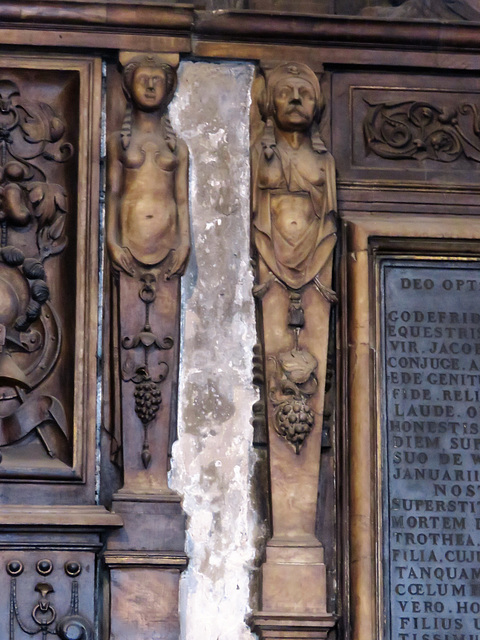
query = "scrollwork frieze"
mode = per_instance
[{"x": 421, "y": 130}]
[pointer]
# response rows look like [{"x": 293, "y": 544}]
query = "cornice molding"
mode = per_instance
[
  {"x": 148, "y": 26},
  {"x": 100, "y": 14},
  {"x": 288, "y": 29},
  {"x": 104, "y": 25}
]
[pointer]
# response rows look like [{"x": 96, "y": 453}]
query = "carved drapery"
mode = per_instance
[{"x": 294, "y": 235}]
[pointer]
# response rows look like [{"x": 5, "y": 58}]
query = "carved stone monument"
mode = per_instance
[{"x": 294, "y": 234}]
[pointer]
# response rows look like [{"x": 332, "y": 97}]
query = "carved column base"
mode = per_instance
[
  {"x": 294, "y": 578},
  {"x": 294, "y": 592},
  {"x": 145, "y": 559},
  {"x": 295, "y": 626}
]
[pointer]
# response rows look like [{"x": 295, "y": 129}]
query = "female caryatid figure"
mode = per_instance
[
  {"x": 148, "y": 239},
  {"x": 294, "y": 233},
  {"x": 148, "y": 176}
]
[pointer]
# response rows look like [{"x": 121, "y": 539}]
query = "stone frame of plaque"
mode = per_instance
[{"x": 371, "y": 241}]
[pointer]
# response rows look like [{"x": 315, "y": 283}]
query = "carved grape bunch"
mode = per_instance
[
  {"x": 148, "y": 399},
  {"x": 294, "y": 421}
]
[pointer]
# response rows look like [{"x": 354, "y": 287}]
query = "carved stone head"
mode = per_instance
[
  {"x": 149, "y": 83},
  {"x": 293, "y": 97}
]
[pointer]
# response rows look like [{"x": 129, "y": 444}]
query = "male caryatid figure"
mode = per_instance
[{"x": 294, "y": 203}]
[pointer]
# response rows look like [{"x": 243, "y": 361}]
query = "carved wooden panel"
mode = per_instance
[
  {"x": 148, "y": 242},
  {"x": 407, "y": 129},
  {"x": 48, "y": 267},
  {"x": 47, "y": 594}
]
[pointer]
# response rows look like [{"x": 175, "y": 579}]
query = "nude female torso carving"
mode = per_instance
[
  {"x": 148, "y": 172},
  {"x": 149, "y": 232}
]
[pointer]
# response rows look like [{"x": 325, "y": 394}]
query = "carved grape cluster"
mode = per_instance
[
  {"x": 34, "y": 273},
  {"x": 295, "y": 421},
  {"x": 148, "y": 399}
]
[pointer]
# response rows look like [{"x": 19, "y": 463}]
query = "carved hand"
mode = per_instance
[
  {"x": 122, "y": 259},
  {"x": 179, "y": 259}
]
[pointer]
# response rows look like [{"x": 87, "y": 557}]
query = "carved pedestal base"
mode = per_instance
[
  {"x": 294, "y": 579},
  {"x": 145, "y": 559},
  {"x": 293, "y": 592},
  {"x": 297, "y": 626}
]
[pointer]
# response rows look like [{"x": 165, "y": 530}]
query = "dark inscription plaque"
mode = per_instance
[{"x": 431, "y": 448}]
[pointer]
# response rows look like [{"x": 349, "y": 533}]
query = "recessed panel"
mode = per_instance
[
  {"x": 405, "y": 129},
  {"x": 48, "y": 267}
]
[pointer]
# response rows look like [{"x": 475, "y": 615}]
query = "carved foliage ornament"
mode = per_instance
[
  {"x": 147, "y": 393},
  {"x": 31, "y": 136},
  {"x": 420, "y": 130}
]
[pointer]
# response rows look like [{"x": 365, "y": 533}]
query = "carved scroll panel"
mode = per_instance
[
  {"x": 45, "y": 332},
  {"x": 404, "y": 130}
]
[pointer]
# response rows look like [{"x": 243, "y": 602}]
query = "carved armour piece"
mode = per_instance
[
  {"x": 148, "y": 240},
  {"x": 294, "y": 234}
]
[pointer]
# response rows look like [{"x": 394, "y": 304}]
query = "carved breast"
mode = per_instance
[
  {"x": 150, "y": 152},
  {"x": 292, "y": 172}
]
